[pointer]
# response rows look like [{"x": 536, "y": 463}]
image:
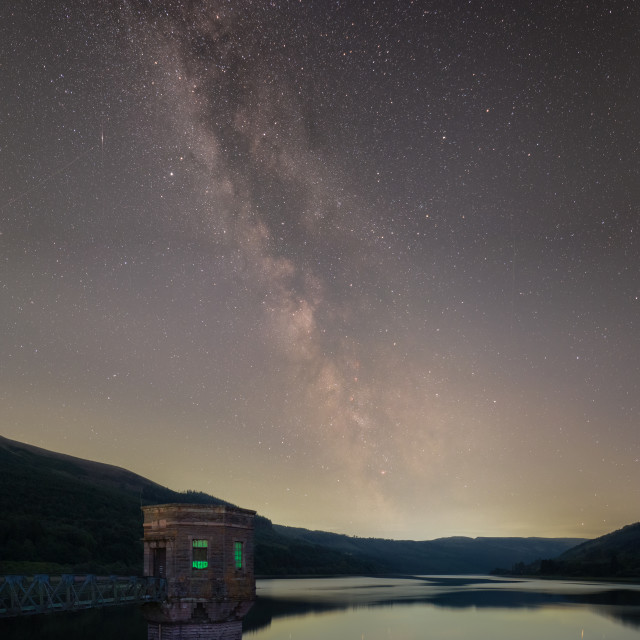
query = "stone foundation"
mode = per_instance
[{"x": 205, "y": 631}]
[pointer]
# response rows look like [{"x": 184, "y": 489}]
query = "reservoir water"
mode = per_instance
[{"x": 402, "y": 608}]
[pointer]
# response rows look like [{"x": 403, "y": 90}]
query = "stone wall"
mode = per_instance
[
  {"x": 220, "y": 589},
  {"x": 211, "y": 631}
]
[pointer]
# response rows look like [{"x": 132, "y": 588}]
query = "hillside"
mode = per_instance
[
  {"x": 22, "y": 458},
  {"x": 616, "y": 554},
  {"x": 61, "y": 510},
  {"x": 60, "y": 513},
  {"x": 443, "y": 555}
]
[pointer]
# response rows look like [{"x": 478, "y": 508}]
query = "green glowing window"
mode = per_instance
[
  {"x": 237, "y": 553},
  {"x": 200, "y": 554}
]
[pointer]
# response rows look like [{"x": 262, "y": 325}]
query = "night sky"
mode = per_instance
[{"x": 367, "y": 267}]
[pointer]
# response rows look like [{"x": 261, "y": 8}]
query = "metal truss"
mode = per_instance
[{"x": 20, "y": 595}]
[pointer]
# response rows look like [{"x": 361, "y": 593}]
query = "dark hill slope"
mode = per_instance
[
  {"x": 25, "y": 459},
  {"x": 60, "y": 513},
  {"x": 443, "y": 555},
  {"x": 616, "y": 554},
  {"x": 68, "y": 511}
]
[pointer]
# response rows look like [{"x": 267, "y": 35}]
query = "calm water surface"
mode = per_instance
[{"x": 438, "y": 607}]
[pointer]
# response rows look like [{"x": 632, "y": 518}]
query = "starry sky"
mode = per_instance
[{"x": 366, "y": 267}]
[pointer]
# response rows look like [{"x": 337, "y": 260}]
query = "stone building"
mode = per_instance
[{"x": 205, "y": 553}]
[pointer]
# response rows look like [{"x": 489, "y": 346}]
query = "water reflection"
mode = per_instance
[
  {"x": 121, "y": 623},
  {"x": 403, "y": 608},
  {"x": 287, "y": 598}
]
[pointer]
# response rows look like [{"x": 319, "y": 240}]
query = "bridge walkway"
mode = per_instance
[{"x": 21, "y": 595}]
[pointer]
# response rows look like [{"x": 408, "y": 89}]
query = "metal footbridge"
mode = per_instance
[{"x": 20, "y": 595}]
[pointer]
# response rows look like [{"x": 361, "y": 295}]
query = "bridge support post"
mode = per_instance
[
  {"x": 15, "y": 586},
  {"x": 43, "y": 588},
  {"x": 66, "y": 588}
]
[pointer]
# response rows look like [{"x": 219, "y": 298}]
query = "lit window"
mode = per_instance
[
  {"x": 237, "y": 552},
  {"x": 200, "y": 554}
]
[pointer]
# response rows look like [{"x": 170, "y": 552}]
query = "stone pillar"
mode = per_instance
[{"x": 205, "y": 553}]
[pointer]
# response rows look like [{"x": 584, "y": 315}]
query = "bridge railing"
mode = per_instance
[{"x": 20, "y": 595}]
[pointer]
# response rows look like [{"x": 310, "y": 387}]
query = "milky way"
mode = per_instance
[{"x": 364, "y": 267}]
